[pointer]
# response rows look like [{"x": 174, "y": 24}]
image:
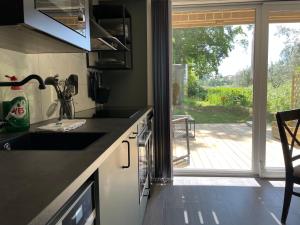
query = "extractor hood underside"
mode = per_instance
[{"x": 23, "y": 38}]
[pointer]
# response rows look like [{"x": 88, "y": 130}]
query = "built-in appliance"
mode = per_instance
[
  {"x": 151, "y": 158},
  {"x": 27, "y": 25},
  {"x": 144, "y": 149},
  {"x": 80, "y": 209}
]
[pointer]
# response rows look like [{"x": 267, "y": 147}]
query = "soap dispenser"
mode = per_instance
[{"x": 16, "y": 108}]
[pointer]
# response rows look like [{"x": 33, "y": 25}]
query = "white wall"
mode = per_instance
[{"x": 22, "y": 65}]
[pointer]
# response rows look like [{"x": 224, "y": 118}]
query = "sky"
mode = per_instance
[{"x": 240, "y": 58}]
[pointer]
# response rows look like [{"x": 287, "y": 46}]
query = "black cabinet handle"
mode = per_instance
[
  {"x": 134, "y": 137},
  {"x": 128, "y": 148}
]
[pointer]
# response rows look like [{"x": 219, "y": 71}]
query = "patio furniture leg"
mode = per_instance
[
  {"x": 194, "y": 122},
  {"x": 185, "y": 121},
  {"x": 187, "y": 137}
]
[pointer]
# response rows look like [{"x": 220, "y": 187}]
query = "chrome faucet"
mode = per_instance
[{"x": 24, "y": 81}]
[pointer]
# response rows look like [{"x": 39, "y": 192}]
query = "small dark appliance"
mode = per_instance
[{"x": 80, "y": 209}]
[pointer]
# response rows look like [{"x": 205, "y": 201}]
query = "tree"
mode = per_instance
[
  {"x": 243, "y": 78},
  {"x": 217, "y": 80},
  {"x": 279, "y": 72},
  {"x": 204, "y": 48},
  {"x": 284, "y": 69},
  {"x": 291, "y": 53}
]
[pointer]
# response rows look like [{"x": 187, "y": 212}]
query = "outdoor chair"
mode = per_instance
[
  {"x": 182, "y": 121},
  {"x": 292, "y": 172},
  {"x": 191, "y": 123}
]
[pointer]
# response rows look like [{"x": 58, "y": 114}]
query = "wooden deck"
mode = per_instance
[{"x": 224, "y": 147}]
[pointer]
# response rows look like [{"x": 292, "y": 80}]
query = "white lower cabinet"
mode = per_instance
[{"x": 118, "y": 185}]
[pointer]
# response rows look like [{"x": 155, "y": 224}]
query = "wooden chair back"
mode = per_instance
[{"x": 284, "y": 131}]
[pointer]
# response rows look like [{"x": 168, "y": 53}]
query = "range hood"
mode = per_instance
[
  {"x": 103, "y": 40},
  {"x": 23, "y": 38},
  {"x": 43, "y": 26}
]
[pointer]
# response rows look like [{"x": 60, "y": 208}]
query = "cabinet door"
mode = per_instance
[
  {"x": 133, "y": 182},
  {"x": 119, "y": 186},
  {"x": 66, "y": 20}
]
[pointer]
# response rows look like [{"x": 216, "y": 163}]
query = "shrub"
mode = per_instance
[
  {"x": 192, "y": 85},
  {"x": 229, "y": 96},
  {"x": 194, "y": 88},
  {"x": 279, "y": 98}
]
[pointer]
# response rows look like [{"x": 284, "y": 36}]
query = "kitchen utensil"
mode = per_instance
[
  {"x": 52, "y": 108},
  {"x": 72, "y": 81},
  {"x": 55, "y": 83}
]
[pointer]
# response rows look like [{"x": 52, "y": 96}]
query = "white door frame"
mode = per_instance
[
  {"x": 266, "y": 8},
  {"x": 257, "y": 91},
  {"x": 256, "y": 106},
  {"x": 260, "y": 71}
]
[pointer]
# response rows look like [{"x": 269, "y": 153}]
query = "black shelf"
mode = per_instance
[
  {"x": 110, "y": 11},
  {"x": 115, "y": 20},
  {"x": 112, "y": 50},
  {"x": 109, "y": 68}
]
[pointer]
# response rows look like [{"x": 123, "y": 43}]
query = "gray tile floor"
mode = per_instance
[{"x": 224, "y": 201}]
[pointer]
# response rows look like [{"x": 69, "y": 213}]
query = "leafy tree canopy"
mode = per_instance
[
  {"x": 284, "y": 69},
  {"x": 243, "y": 78},
  {"x": 290, "y": 55},
  {"x": 204, "y": 48}
]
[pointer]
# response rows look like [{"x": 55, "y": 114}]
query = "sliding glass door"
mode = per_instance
[
  {"x": 225, "y": 96},
  {"x": 213, "y": 90},
  {"x": 283, "y": 76}
]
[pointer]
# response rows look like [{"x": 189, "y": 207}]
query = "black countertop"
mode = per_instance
[{"x": 35, "y": 184}]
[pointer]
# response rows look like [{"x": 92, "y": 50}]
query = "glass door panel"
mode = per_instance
[
  {"x": 213, "y": 89},
  {"x": 283, "y": 83}
]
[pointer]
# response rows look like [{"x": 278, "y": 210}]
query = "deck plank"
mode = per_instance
[{"x": 225, "y": 147}]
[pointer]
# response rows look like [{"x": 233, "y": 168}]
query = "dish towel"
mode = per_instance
[{"x": 63, "y": 125}]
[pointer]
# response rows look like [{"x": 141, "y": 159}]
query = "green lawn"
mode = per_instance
[
  {"x": 203, "y": 113},
  {"x": 215, "y": 114},
  {"x": 233, "y": 105}
]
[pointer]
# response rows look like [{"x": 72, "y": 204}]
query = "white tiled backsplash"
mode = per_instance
[{"x": 22, "y": 65}]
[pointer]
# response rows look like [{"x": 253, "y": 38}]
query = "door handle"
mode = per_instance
[{"x": 128, "y": 149}]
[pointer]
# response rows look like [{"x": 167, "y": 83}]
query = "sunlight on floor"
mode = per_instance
[
  {"x": 279, "y": 183},
  {"x": 215, "y": 218},
  {"x": 218, "y": 181}
]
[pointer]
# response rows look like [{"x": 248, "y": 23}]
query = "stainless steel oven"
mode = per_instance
[{"x": 144, "y": 145}]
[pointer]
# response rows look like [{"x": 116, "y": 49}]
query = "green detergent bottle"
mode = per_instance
[{"x": 16, "y": 109}]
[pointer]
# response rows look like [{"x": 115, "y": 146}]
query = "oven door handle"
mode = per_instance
[
  {"x": 143, "y": 142},
  {"x": 128, "y": 149}
]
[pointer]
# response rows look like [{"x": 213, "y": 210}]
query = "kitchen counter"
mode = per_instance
[{"x": 35, "y": 184}]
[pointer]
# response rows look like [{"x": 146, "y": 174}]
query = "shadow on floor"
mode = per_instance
[{"x": 224, "y": 201}]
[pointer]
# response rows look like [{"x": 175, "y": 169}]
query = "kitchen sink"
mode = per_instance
[{"x": 58, "y": 141}]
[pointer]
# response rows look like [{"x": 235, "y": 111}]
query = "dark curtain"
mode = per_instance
[{"x": 161, "y": 82}]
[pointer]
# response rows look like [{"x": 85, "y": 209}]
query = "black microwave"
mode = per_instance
[{"x": 80, "y": 209}]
